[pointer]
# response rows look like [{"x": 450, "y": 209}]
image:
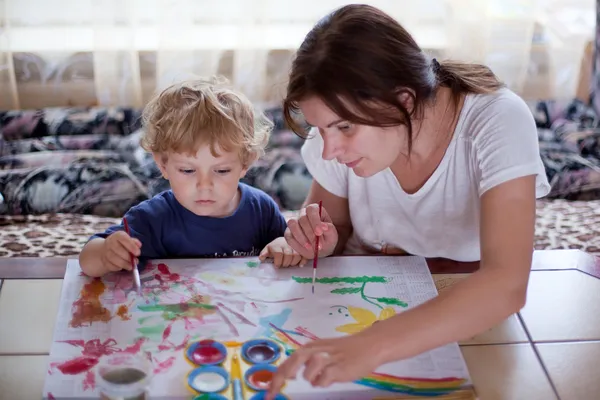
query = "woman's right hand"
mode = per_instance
[
  {"x": 118, "y": 249},
  {"x": 302, "y": 232}
]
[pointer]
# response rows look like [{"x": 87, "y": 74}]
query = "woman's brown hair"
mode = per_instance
[{"x": 358, "y": 59}]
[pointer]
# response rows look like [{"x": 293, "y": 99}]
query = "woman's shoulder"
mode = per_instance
[{"x": 496, "y": 112}]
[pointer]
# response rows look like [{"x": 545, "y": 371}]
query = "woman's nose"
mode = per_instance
[{"x": 332, "y": 146}]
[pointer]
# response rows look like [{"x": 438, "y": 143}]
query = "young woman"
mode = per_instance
[{"x": 410, "y": 155}]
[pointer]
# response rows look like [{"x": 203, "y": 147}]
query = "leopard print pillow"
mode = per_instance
[{"x": 560, "y": 224}]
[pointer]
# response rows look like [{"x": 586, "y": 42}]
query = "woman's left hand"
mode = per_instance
[{"x": 328, "y": 361}]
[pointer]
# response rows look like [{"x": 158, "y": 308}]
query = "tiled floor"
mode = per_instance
[{"x": 549, "y": 351}]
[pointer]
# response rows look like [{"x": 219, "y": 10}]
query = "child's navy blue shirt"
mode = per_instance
[{"x": 166, "y": 229}]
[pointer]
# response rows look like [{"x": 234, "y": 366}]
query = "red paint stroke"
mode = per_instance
[
  {"x": 285, "y": 334},
  {"x": 240, "y": 316},
  {"x": 168, "y": 275},
  {"x": 134, "y": 348},
  {"x": 276, "y": 301},
  {"x": 77, "y": 365},
  {"x": 228, "y": 322},
  {"x": 306, "y": 333},
  {"x": 163, "y": 365},
  {"x": 166, "y": 332},
  {"x": 51, "y": 396},
  {"x": 91, "y": 351},
  {"x": 88, "y": 308},
  {"x": 167, "y": 345},
  {"x": 90, "y": 381},
  {"x": 254, "y": 305}
]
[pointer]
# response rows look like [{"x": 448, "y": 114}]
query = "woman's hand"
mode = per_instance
[
  {"x": 282, "y": 253},
  {"x": 302, "y": 232},
  {"x": 328, "y": 361}
]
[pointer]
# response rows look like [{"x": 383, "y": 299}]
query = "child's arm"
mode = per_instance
[
  {"x": 100, "y": 256},
  {"x": 282, "y": 254},
  {"x": 112, "y": 250}
]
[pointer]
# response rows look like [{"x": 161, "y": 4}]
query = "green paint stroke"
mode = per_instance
[
  {"x": 175, "y": 308},
  {"x": 390, "y": 301},
  {"x": 151, "y": 330},
  {"x": 343, "y": 279},
  {"x": 252, "y": 264},
  {"x": 346, "y": 290},
  {"x": 143, "y": 320},
  {"x": 171, "y": 312}
]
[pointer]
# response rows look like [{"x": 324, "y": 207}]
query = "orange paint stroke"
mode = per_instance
[
  {"x": 123, "y": 312},
  {"x": 88, "y": 308}
]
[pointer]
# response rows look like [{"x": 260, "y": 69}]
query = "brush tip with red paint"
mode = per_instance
[{"x": 316, "y": 257}]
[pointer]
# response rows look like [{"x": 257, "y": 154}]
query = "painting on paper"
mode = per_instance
[{"x": 234, "y": 300}]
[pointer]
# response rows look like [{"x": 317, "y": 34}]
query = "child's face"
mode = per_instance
[{"x": 204, "y": 184}]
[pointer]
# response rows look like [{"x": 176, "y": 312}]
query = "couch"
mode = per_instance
[{"x": 66, "y": 173}]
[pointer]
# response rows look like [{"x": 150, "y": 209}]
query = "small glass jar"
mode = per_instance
[{"x": 124, "y": 376}]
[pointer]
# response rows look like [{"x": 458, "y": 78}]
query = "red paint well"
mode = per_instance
[
  {"x": 207, "y": 354},
  {"x": 261, "y": 379}
]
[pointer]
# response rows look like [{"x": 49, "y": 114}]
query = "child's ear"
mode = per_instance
[{"x": 161, "y": 161}]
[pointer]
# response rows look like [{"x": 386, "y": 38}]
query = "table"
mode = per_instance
[{"x": 549, "y": 350}]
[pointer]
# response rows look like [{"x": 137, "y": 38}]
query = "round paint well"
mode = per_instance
[
  {"x": 210, "y": 396},
  {"x": 206, "y": 352},
  {"x": 210, "y": 379},
  {"x": 259, "y": 377},
  {"x": 261, "y": 396},
  {"x": 260, "y": 351}
]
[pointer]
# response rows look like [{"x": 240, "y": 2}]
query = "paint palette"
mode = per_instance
[{"x": 217, "y": 364}]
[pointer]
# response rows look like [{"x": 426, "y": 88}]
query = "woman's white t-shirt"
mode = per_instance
[{"x": 495, "y": 140}]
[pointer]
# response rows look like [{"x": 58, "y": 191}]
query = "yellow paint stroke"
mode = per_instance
[{"x": 364, "y": 318}]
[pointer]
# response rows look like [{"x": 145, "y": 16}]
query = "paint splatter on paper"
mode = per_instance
[{"x": 88, "y": 308}]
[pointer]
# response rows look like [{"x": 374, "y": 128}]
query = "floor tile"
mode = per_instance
[
  {"x": 22, "y": 377},
  {"x": 573, "y": 367},
  {"x": 562, "y": 305},
  {"x": 509, "y": 331},
  {"x": 28, "y": 310},
  {"x": 507, "y": 372}
]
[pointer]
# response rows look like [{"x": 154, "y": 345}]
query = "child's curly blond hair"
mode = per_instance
[{"x": 193, "y": 113}]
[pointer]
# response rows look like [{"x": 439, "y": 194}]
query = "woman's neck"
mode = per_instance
[{"x": 436, "y": 127}]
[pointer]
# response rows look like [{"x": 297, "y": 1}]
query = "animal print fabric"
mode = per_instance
[{"x": 560, "y": 224}]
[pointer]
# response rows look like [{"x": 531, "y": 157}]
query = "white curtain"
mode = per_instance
[{"x": 118, "y": 52}]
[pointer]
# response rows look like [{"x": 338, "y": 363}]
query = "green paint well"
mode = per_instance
[
  {"x": 252, "y": 264},
  {"x": 343, "y": 279}
]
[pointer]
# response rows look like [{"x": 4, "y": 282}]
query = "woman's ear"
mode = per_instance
[{"x": 406, "y": 98}]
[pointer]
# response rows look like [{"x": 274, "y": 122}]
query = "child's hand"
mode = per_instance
[
  {"x": 118, "y": 249},
  {"x": 302, "y": 232},
  {"x": 282, "y": 254}
]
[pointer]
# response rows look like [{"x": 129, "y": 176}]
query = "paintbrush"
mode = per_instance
[
  {"x": 136, "y": 273},
  {"x": 236, "y": 378},
  {"x": 316, "y": 251}
]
